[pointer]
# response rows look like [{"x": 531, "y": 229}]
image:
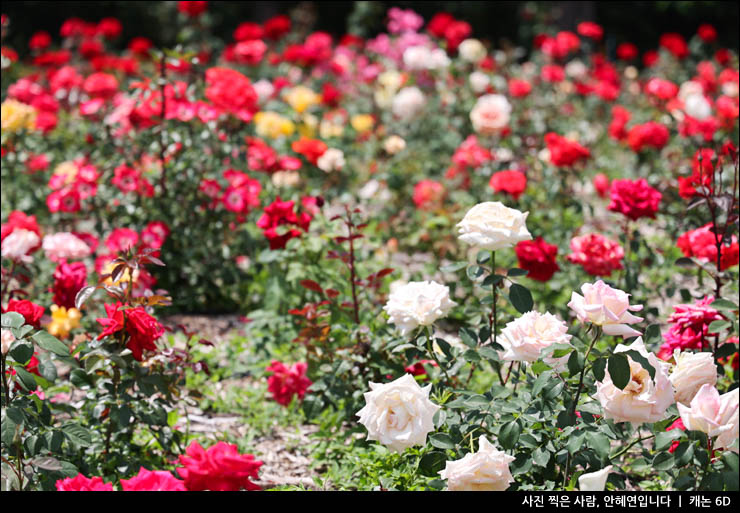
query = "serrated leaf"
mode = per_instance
[
  {"x": 619, "y": 370},
  {"x": 663, "y": 461},
  {"x": 12, "y": 320},
  {"x": 723, "y": 304},
  {"x": 716, "y": 326},
  {"x": 46, "y": 463},
  {"x": 664, "y": 439},
  {"x": 27, "y": 380},
  {"x": 77, "y": 434},
  {"x": 509, "y": 434},
  {"x": 441, "y": 441},
  {"x": 521, "y": 298},
  {"x": 541, "y": 457},
  {"x": 47, "y": 341},
  {"x": 599, "y": 443}
]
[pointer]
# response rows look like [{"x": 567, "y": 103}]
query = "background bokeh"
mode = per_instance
[{"x": 501, "y": 22}]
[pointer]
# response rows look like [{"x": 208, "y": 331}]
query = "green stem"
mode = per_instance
[
  {"x": 583, "y": 371},
  {"x": 630, "y": 446}
]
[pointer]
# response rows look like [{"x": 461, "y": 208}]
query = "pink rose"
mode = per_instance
[
  {"x": 713, "y": 414},
  {"x": 605, "y": 307}
]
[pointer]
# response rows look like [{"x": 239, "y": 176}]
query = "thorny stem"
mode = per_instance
[
  {"x": 583, "y": 371},
  {"x": 163, "y": 176}
]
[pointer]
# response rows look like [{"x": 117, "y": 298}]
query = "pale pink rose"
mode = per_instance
[
  {"x": 691, "y": 372},
  {"x": 64, "y": 246},
  {"x": 16, "y": 245},
  {"x": 7, "y": 340},
  {"x": 713, "y": 414},
  {"x": 524, "y": 338},
  {"x": 490, "y": 114},
  {"x": 605, "y": 307},
  {"x": 408, "y": 102},
  {"x": 643, "y": 399},
  {"x": 486, "y": 470}
]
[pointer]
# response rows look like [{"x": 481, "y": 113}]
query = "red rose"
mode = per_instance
[
  {"x": 428, "y": 194},
  {"x": 661, "y": 88},
  {"x": 287, "y": 381},
  {"x": 439, "y": 23},
  {"x": 627, "y": 51},
  {"x": 68, "y": 280},
  {"x": 707, "y": 33},
  {"x": 564, "y": 152},
  {"x": 122, "y": 239},
  {"x": 591, "y": 30},
  {"x": 417, "y": 369},
  {"x": 31, "y": 312},
  {"x": 80, "y": 483},
  {"x": 677, "y": 424},
  {"x": 192, "y": 9},
  {"x": 650, "y": 58},
  {"x": 109, "y": 28},
  {"x": 650, "y": 134},
  {"x": 634, "y": 199},
  {"x": 277, "y": 27},
  {"x": 280, "y": 213},
  {"x": 142, "y": 328},
  {"x": 598, "y": 255},
  {"x": 231, "y": 92},
  {"x": 153, "y": 481},
  {"x": 509, "y": 181},
  {"x": 40, "y": 40},
  {"x": 519, "y": 88},
  {"x": 100, "y": 85},
  {"x": 676, "y": 44},
  {"x": 620, "y": 117},
  {"x": 601, "y": 184},
  {"x": 18, "y": 219},
  {"x": 220, "y": 469},
  {"x": 312, "y": 149},
  {"x": 702, "y": 245},
  {"x": 552, "y": 73},
  {"x": 538, "y": 257},
  {"x": 247, "y": 31}
]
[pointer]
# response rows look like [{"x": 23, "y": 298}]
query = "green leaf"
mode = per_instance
[
  {"x": 12, "y": 320},
  {"x": 599, "y": 443},
  {"x": 684, "y": 453},
  {"x": 575, "y": 441},
  {"x": 483, "y": 257},
  {"x": 541, "y": 457},
  {"x": 46, "y": 463},
  {"x": 652, "y": 333},
  {"x": 575, "y": 363},
  {"x": 441, "y": 441},
  {"x": 77, "y": 434},
  {"x": 663, "y": 461},
  {"x": 517, "y": 272},
  {"x": 47, "y": 369},
  {"x": 598, "y": 368},
  {"x": 716, "y": 326},
  {"x": 80, "y": 378},
  {"x": 637, "y": 357},
  {"x": 468, "y": 337},
  {"x": 664, "y": 439},
  {"x": 489, "y": 353},
  {"x": 565, "y": 419},
  {"x": 491, "y": 279},
  {"x": 475, "y": 272},
  {"x": 27, "y": 380},
  {"x": 477, "y": 402},
  {"x": 22, "y": 352},
  {"x": 509, "y": 434},
  {"x": 521, "y": 298},
  {"x": 685, "y": 262},
  {"x": 619, "y": 370},
  {"x": 21, "y": 332},
  {"x": 726, "y": 350},
  {"x": 540, "y": 383},
  {"x": 49, "y": 342},
  {"x": 723, "y": 304},
  {"x": 453, "y": 267},
  {"x": 471, "y": 355},
  {"x": 432, "y": 462}
]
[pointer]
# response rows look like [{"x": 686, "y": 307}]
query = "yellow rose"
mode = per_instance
[
  {"x": 273, "y": 125},
  {"x": 63, "y": 321},
  {"x": 362, "y": 122},
  {"x": 301, "y": 98},
  {"x": 15, "y": 116},
  {"x": 68, "y": 170}
]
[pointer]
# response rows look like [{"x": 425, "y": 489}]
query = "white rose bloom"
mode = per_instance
[
  {"x": 692, "y": 370},
  {"x": 576, "y": 69},
  {"x": 439, "y": 59},
  {"x": 697, "y": 106},
  {"x": 492, "y": 225},
  {"x": 486, "y": 470},
  {"x": 7, "y": 340},
  {"x": 490, "y": 114},
  {"x": 479, "y": 81},
  {"x": 730, "y": 89},
  {"x": 417, "y": 58},
  {"x": 472, "y": 50},
  {"x": 408, "y": 102},
  {"x": 418, "y": 303},
  {"x": 264, "y": 89},
  {"x": 398, "y": 414},
  {"x": 286, "y": 178},
  {"x": 64, "y": 245},
  {"x": 689, "y": 88},
  {"x": 643, "y": 399},
  {"x": 594, "y": 481},
  {"x": 331, "y": 160},
  {"x": 524, "y": 338},
  {"x": 606, "y": 307},
  {"x": 713, "y": 414},
  {"x": 394, "y": 144},
  {"x": 16, "y": 245}
]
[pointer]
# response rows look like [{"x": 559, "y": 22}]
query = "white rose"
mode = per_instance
[
  {"x": 64, "y": 245},
  {"x": 524, "y": 338},
  {"x": 394, "y": 144},
  {"x": 479, "y": 81},
  {"x": 713, "y": 414},
  {"x": 439, "y": 59},
  {"x": 486, "y": 470},
  {"x": 606, "y": 307},
  {"x": 490, "y": 114},
  {"x": 594, "y": 481},
  {"x": 492, "y": 225},
  {"x": 689, "y": 88},
  {"x": 576, "y": 69},
  {"x": 643, "y": 399},
  {"x": 331, "y": 160},
  {"x": 398, "y": 414},
  {"x": 418, "y": 303},
  {"x": 408, "y": 103},
  {"x": 692, "y": 370},
  {"x": 472, "y": 50},
  {"x": 697, "y": 106},
  {"x": 417, "y": 58},
  {"x": 7, "y": 340},
  {"x": 264, "y": 89},
  {"x": 16, "y": 245},
  {"x": 286, "y": 178}
]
